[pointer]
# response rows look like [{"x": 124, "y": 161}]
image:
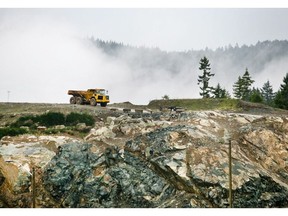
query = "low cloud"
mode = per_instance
[{"x": 42, "y": 58}]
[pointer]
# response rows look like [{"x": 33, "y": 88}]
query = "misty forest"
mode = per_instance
[
  {"x": 130, "y": 73},
  {"x": 235, "y": 68}
]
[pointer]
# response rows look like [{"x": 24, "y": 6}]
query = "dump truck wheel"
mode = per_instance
[
  {"x": 72, "y": 100},
  {"x": 93, "y": 102},
  {"x": 103, "y": 104},
  {"x": 79, "y": 100}
]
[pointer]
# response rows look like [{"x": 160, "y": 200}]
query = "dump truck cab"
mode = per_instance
[{"x": 98, "y": 96}]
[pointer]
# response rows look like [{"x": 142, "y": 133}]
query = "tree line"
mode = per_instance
[
  {"x": 256, "y": 57},
  {"x": 242, "y": 88},
  {"x": 148, "y": 60}
]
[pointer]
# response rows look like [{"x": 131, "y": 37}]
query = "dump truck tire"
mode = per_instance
[
  {"x": 72, "y": 100},
  {"x": 93, "y": 102},
  {"x": 103, "y": 104},
  {"x": 79, "y": 100}
]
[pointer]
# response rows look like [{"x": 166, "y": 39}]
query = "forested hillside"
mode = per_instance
[
  {"x": 255, "y": 57},
  {"x": 178, "y": 71}
]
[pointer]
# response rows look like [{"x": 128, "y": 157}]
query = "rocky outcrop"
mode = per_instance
[
  {"x": 18, "y": 155},
  {"x": 152, "y": 160},
  {"x": 81, "y": 177},
  {"x": 196, "y": 162}
]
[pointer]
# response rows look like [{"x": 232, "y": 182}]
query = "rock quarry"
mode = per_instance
[{"x": 151, "y": 160}]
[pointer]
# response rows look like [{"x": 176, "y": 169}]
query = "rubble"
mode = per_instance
[{"x": 154, "y": 160}]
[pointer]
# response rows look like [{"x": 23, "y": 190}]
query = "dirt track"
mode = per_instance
[{"x": 9, "y": 112}]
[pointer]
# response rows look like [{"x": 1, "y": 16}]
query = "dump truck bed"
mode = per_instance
[{"x": 77, "y": 92}]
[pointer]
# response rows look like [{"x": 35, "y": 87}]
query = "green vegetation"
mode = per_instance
[
  {"x": 165, "y": 97},
  {"x": 255, "y": 96},
  {"x": 198, "y": 104},
  {"x": 281, "y": 99},
  {"x": 54, "y": 118},
  {"x": 268, "y": 94},
  {"x": 8, "y": 131},
  {"x": 203, "y": 80},
  {"x": 219, "y": 92},
  {"x": 27, "y": 121},
  {"x": 73, "y": 119},
  {"x": 242, "y": 88},
  {"x": 50, "y": 120}
]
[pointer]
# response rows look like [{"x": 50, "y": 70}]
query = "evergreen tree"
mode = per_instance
[
  {"x": 237, "y": 88},
  {"x": 242, "y": 88},
  {"x": 227, "y": 94},
  {"x": 204, "y": 79},
  {"x": 255, "y": 96},
  {"x": 246, "y": 87},
  {"x": 281, "y": 99},
  {"x": 165, "y": 97},
  {"x": 267, "y": 93},
  {"x": 219, "y": 92}
]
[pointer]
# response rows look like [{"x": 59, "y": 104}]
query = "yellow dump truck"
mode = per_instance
[{"x": 91, "y": 96}]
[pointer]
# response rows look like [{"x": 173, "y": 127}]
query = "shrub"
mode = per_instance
[
  {"x": 28, "y": 121},
  {"x": 53, "y": 131},
  {"x": 47, "y": 119},
  {"x": 73, "y": 119},
  {"x": 51, "y": 119},
  {"x": 256, "y": 98},
  {"x": 8, "y": 131}
]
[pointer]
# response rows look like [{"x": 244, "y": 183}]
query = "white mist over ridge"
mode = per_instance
[{"x": 43, "y": 57}]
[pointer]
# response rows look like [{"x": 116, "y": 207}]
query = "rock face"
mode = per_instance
[
  {"x": 18, "y": 155},
  {"x": 81, "y": 177},
  {"x": 152, "y": 160}
]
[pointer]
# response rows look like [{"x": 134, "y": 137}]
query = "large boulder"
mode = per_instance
[{"x": 80, "y": 176}]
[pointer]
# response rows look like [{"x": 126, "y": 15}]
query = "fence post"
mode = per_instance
[
  {"x": 33, "y": 188},
  {"x": 230, "y": 175},
  {"x": 227, "y": 139}
]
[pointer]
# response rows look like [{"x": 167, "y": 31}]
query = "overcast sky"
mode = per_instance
[
  {"x": 28, "y": 39},
  {"x": 181, "y": 29},
  {"x": 168, "y": 29}
]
